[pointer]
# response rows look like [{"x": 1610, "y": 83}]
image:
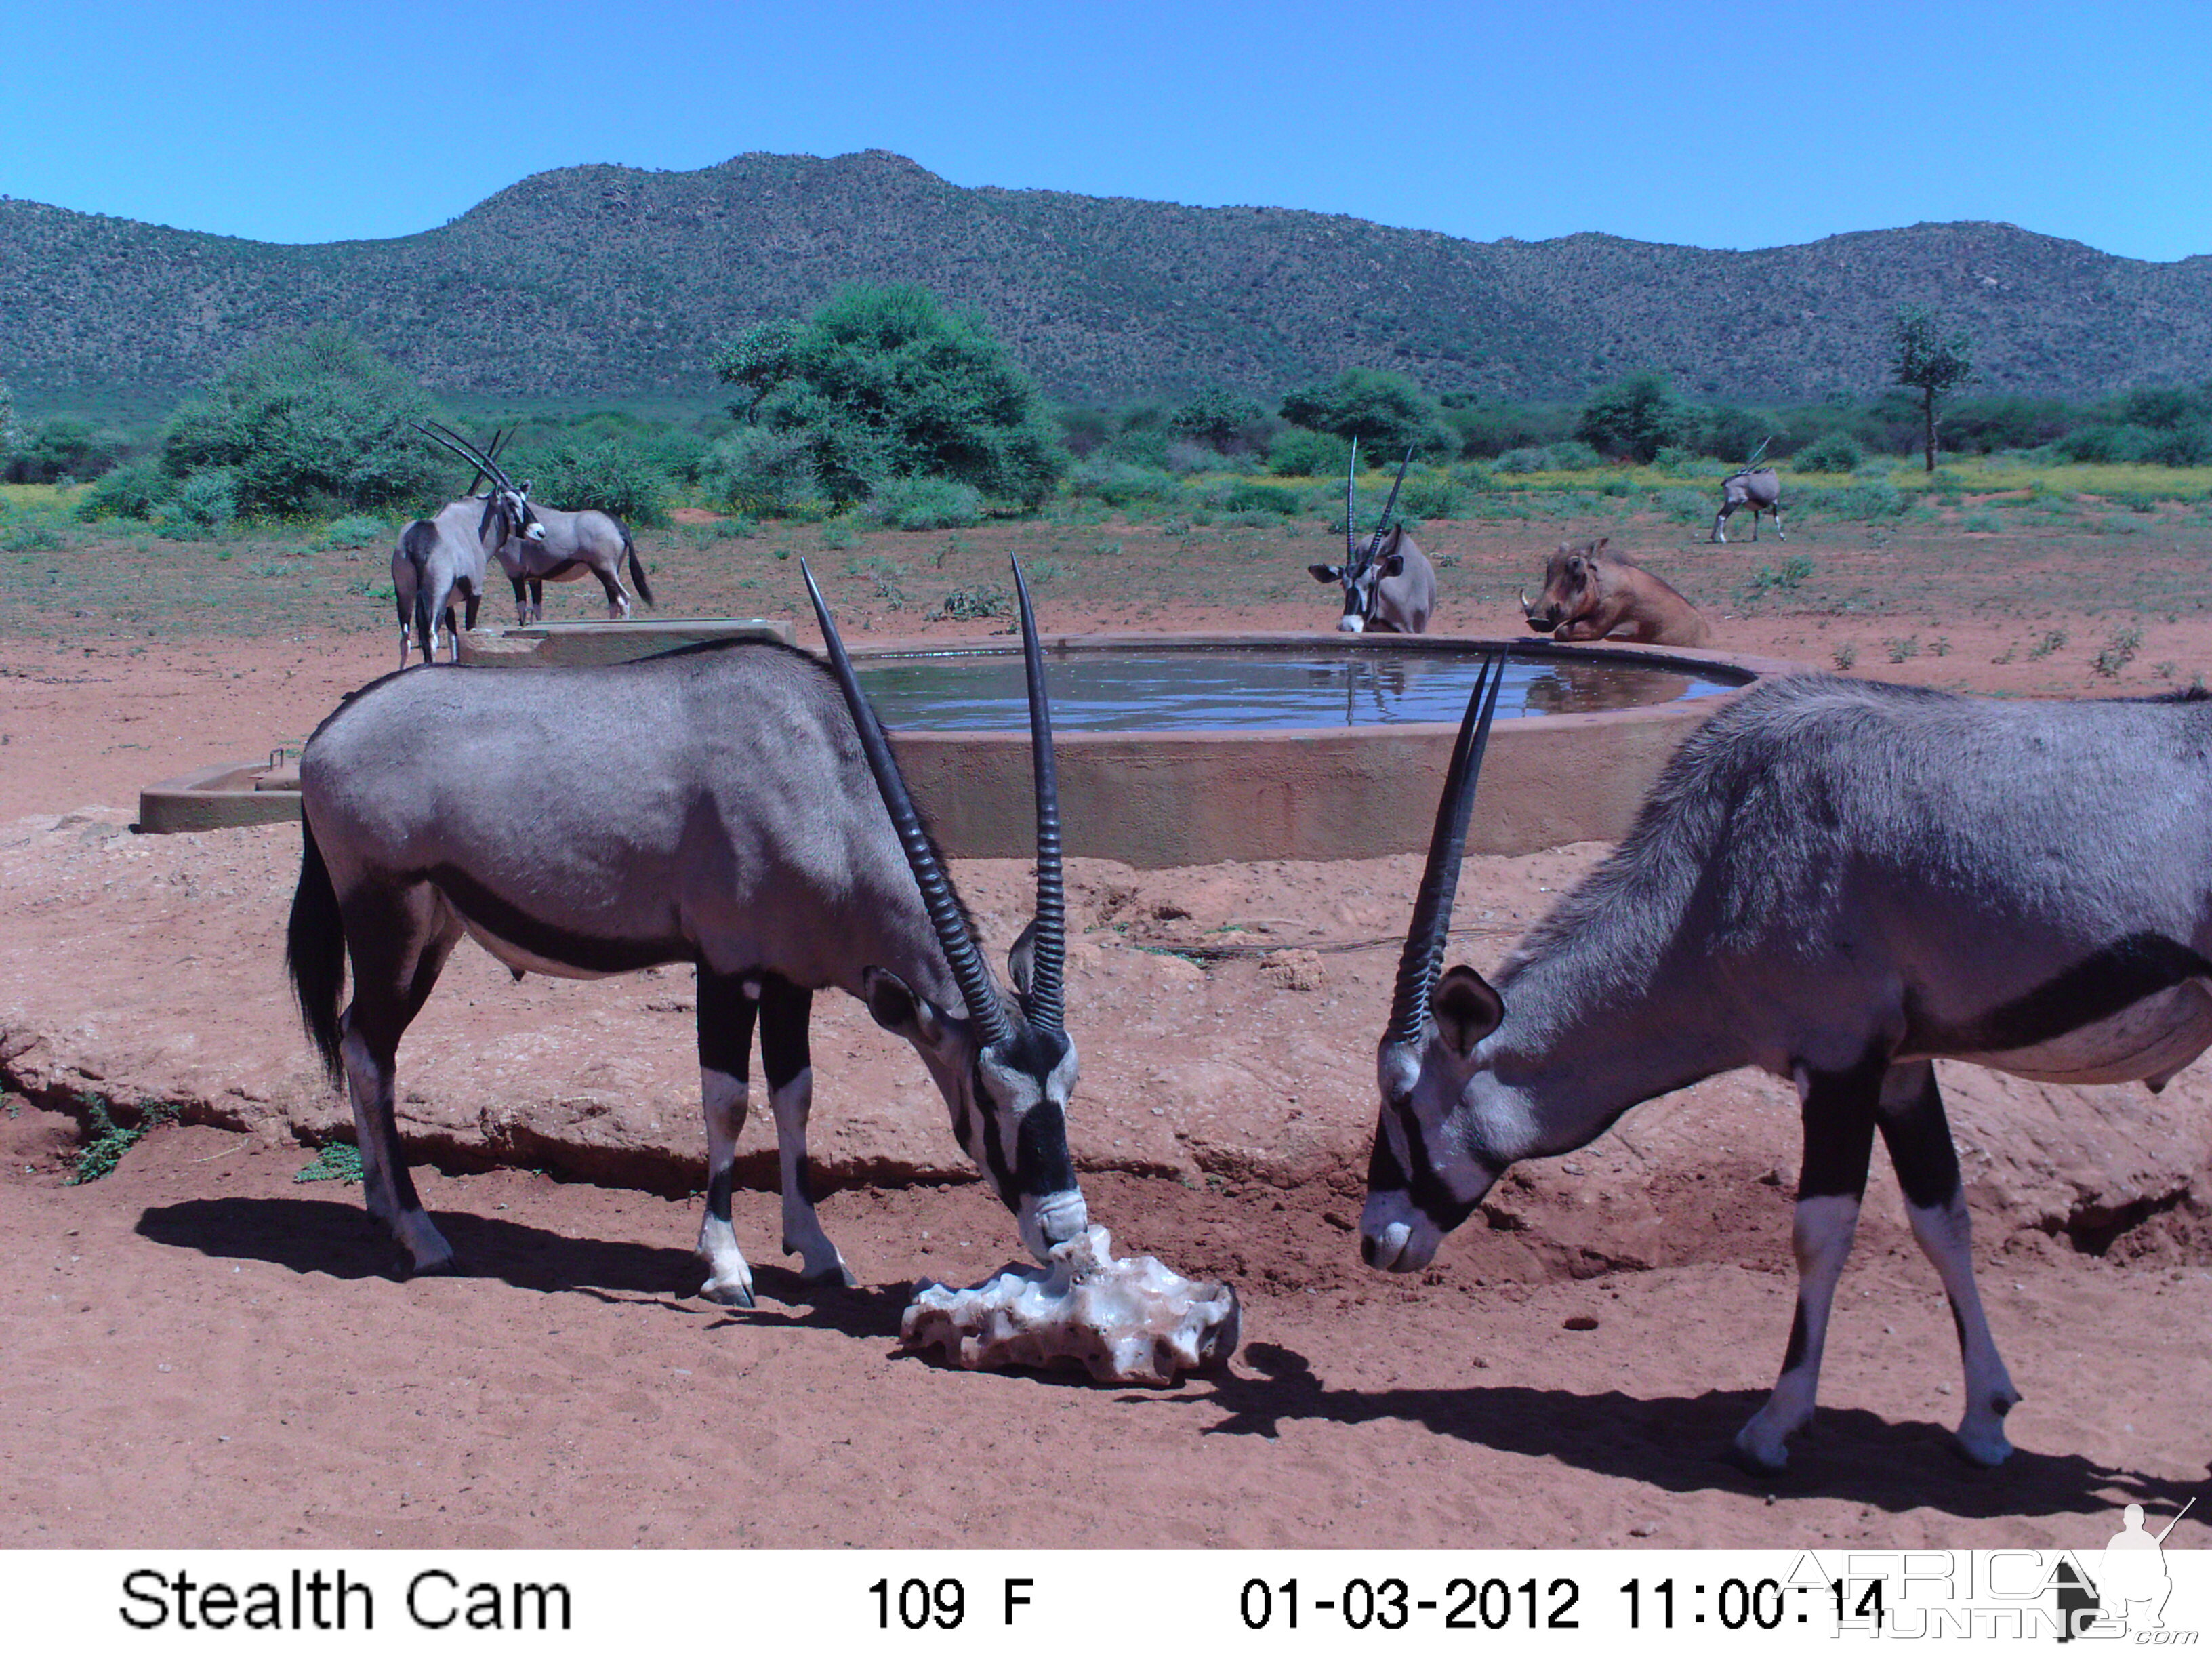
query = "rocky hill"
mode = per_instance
[{"x": 610, "y": 281}]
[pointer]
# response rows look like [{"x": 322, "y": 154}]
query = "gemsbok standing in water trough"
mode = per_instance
[
  {"x": 1390, "y": 585},
  {"x": 445, "y": 555},
  {"x": 1759, "y": 488},
  {"x": 757, "y": 828},
  {"x": 1838, "y": 882}
]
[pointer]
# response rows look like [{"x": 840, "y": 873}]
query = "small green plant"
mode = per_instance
[
  {"x": 337, "y": 1161},
  {"x": 1766, "y": 580},
  {"x": 2054, "y": 641},
  {"x": 97, "y": 1159},
  {"x": 356, "y": 530},
  {"x": 975, "y": 603},
  {"x": 926, "y": 504},
  {"x": 1904, "y": 650},
  {"x": 1941, "y": 649},
  {"x": 2117, "y": 653},
  {"x": 838, "y": 536},
  {"x": 884, "y": 575},
  {"x": 1845, "y": 656},
  {"x": 1983, "y": 523}
]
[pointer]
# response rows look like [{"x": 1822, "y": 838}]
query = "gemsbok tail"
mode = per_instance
[
  {"x": 315, "y": 952},
  {"x": 636, "y": 566}
]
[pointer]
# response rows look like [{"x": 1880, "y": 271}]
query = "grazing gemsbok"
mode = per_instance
[
  {"x": 573, "y": 543},
  {"x": 445, "y": 555},
  {"x": 756, "y": 828},
  {"x": 1757, "y": 488},
  {"x": 1390, "y": 585},
  {"x": 1838, "y": 882}
]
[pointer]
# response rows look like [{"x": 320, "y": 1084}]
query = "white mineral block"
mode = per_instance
[{"x": 1132, "y": 1321}]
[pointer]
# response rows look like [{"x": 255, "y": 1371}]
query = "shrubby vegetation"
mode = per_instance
[
  {"x": 612, "y": 475},
  {"x": 886, "y": 383}
]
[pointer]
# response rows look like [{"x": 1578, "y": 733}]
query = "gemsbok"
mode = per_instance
[
  {"x": 572, "y": 545},
  {"x": 1838, "y": 882},
  {"x": 1390, "y": 585},
  {"x": 1759, "y": 489},
  {"x": 757, "y": 828},
  {"x": 443, "y": 555}
]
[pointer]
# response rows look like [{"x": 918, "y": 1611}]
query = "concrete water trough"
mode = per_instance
[{"x": 1188, "y": 749}]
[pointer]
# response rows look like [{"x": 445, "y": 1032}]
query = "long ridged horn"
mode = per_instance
[
  {"x": 1048, "y": 1001},
  {"x": 1374, "y": 541},
  {"x": 468, "y": 452},
  {"x": 1350, "y": 532},
  {"x": 985, "y": 1010},
  {"x": 1432, "y": 908},
  {"x": 493, "y": 452}
]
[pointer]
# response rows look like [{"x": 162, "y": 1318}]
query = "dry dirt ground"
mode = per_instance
[{"x": 202, "y": 1351}]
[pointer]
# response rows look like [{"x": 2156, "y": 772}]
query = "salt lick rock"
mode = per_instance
[{"x": 1126, "y": 1321}]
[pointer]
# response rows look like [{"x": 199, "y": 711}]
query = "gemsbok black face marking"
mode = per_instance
[
  {"x": 1839, "y": 882},
  {"x": 757, "y": 829},
  {"x": 1390, "y": 585}
]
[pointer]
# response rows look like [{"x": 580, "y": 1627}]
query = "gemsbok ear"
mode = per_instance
[
  {"x": 1394, "y": 565},
  {"x": 1466, "y": 1010},
  {"x": 1325, "y": 573},
  {"x": 1021, "y": 961},
  {"x": 1598, "y": 546},
  {"x": 894, "y": 1006}
]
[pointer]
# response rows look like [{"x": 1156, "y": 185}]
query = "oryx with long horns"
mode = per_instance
[
  {"x": 1390, "y": 585},
  {"x": 1759, "y": 488},
  {"x": 757, "y": 828},
  {"x": 1838, "y": 882},
  {"x": 446, "y": 554}
]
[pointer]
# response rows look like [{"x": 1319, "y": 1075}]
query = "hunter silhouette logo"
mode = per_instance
[{"x": 2127, "y": 1593}]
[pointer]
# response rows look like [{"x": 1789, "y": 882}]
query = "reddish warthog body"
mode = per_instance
[{"x": 1592, "y": 594}]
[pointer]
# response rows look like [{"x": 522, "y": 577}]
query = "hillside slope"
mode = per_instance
[{"x": 606, "y": 281}]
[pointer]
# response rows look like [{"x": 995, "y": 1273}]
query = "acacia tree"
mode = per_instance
[
  {"x": 885, "y": 383},
  {"x": 1385, "y": 411},
  {"x": 1637, "y": 417},
  {"x": 1930, "y": 361}
]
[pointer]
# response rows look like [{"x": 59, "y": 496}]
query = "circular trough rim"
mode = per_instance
[{"x": 1748, "y": 671}]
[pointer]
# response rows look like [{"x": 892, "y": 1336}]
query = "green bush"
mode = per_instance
[
  {"x": 1387, "y": 412},
  {"x": 1527, "y": 458},
  {"x": 926, "y": 504},
  {"x": 1297, "y": 452},
  {"x": 1248, "y": 496},
  {"x": 1839, "y": 451},
  {"x": 1120, "y": 483},
  {"x": 308, "y": 423},
  {"x": 887, "y": 383},
  {"x": 759, "y": 471},
  {"x": 137, "y": 489},
  {"x": 1217, "y": 417},
  {"x": 1573, "y": 455},
  {"x": 203, "y": 505},
  {"x": 1429, "y": 496},
  {"x": 1635, "y": 416},
  {"x": 613, "y": 474},
  {"x": 65, "y": 447},
  {"x": 356, "y": 530}
]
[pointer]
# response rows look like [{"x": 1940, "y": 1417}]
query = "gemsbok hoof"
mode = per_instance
[{"x": 728, "y": 1293}]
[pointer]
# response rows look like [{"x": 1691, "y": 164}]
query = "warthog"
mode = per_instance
[
  {"x": 1756, "y": 488},
  {"x": 1592, "y": 594}
]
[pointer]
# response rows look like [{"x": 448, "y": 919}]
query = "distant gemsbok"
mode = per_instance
[
  {"x": 1838, "y": 882},
  {"x": 445, "y": 554},
  {"x": 757, "y": 827},
  {"x": 572, "y": 545},
  {"x": 1759, "y": 488},
  {"x": 1390, "y": 585}
]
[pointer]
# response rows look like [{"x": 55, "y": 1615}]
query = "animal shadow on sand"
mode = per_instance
[
  {"x": 1682, "y": 1445},
  {"x": 313, "y": 1236}
]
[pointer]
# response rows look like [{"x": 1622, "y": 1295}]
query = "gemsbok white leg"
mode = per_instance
[
  {"x": 1838, "y": 1116},
  {"x": 1918, "y": 1137},
  {"x": 725, "y": 1013}
]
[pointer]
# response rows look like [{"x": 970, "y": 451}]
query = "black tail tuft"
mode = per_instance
[
  {"x": 314, "y": 951},
  {"x": 637, "y": 567}
]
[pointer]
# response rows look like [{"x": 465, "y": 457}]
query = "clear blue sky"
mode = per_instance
[{"x": 1739, "y": 125}]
